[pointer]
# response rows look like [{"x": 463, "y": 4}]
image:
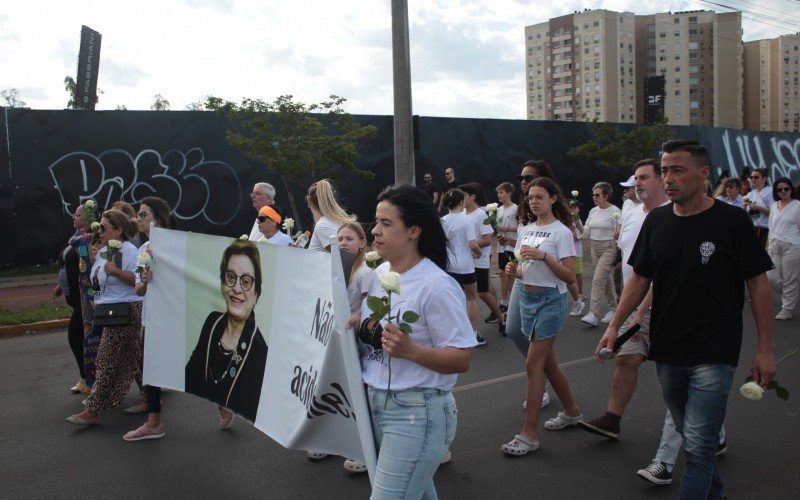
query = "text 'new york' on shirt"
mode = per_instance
[
  {"x": 698, "y": 265},
  {"x": 554, "y": 239}
]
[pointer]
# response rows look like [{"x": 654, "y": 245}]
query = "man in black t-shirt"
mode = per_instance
[
  {"x": 698, "y": 253},
  {"x": 430, "y": 188}
]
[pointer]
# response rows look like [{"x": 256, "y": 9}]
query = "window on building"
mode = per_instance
[
  {"x": 692, "y": 69},
  {"x": 597, "y": 51},
  {"x": 677, "y": 33},
  {"x": 692, "y": 45},
  {"x": 677, "y": 69},
  {"x": 596, "y": 37},
  {"x": 596, "y": 24},
  {"x": 677, "y": 20},
  {"x": 692, "y": 32},
  {"x": 677, "y": 57},
  {"x": 692, "y": 19},
  {"x": 694, "y": 104},
  {"x": 662, "y": 35},
  {"x": 678, "y": 92}
]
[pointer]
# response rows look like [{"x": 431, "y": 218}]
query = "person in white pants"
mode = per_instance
[{"x": 784, "y": 245}]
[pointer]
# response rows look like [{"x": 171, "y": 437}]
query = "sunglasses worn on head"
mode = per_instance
[{"x": 526, "y": 178}]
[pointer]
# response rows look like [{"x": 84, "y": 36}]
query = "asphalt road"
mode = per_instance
[{"x": 42, "y": 456}]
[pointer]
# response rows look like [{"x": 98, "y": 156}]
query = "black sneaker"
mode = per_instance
[
  {"x": 502, "y": 330},
  {"x": 491, "y": 319},
  {"x": 504, "y": 308},
  {"x": 722, "y": 448},
  {"x": 601, "y": 425},
  {"x": 480, "y": 339},
  {"x": 656, "y": 473}
]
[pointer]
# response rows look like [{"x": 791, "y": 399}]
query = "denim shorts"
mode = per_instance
[{"x": 542, "y": 312}]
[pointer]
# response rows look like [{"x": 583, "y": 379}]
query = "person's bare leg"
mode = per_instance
[{"x": 623, "y": 382}]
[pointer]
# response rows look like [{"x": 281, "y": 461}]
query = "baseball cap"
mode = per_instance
[{"x": 629, "y": 183}]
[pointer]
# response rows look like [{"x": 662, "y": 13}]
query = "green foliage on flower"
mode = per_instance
[{"x": 750, "y": 392}]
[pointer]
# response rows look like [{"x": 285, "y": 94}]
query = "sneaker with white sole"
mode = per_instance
[
  {"x": 590, "y": 319},
  {"x": 562, "y": 421},
  {"x": 608, "y": 317},
  {"x": 316, "y": 455},
  {"x": 783, "y": 315},
  {"x": 354, "y": 466},
  {"x": 656, "y": 473},
  {"x": 577, "y": 308},
  {"x": 480, "y": 339}
]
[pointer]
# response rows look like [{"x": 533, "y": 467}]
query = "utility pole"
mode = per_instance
[{"x": 401, "y": 72}]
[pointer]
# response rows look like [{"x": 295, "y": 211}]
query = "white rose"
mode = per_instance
[
  {"x": 492, "y": 207},
  {"x": 574, "y": 194},
  {"x": 95, "y": 226},
  {"x": 751, "y": 390},
  {"x": 263, "y": 240},
  {"x": 616, "y": 216},
  {"x": 518, "y": 255},
  {"x": 391, "y": 282},
  {"x": 288, "y": 224},
  {"x": 116, "y": 244},
  {"x": 90, "y": 203},
  {"x": 372, "y": 256},
  {"x": 244, "y": 237},
  {"x": 144, "y": 259}
]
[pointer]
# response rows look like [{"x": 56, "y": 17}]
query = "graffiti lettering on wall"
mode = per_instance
[
  {"x": 781, "y": 157},
  {"x": 191, "y": 185}
]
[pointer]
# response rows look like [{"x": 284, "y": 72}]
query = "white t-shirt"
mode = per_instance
[
  {"x": 323, "y": 230},
  {"x": 358, "y": 287},
  {"x": 479, "y": 216},
  {"x": 784, "y": 225},
  {"x": 142, "y": 249},
  {"x": 112, "y": 289},
  {"x": 255, "y": 233},
  {"x": 555, "y": 239},
  {"x": 443, "y": 322},
  {"x": 507, "y": 217},
  {"x": 763, "y": 198},
  {"x": 460, "y": 230},
  {"x": 628, "y": 234},
  {"x": 600, "y": 223},
  {"x": 280, "y": 238}
]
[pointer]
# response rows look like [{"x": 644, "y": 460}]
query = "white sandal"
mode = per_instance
[
  {"x": 561, "y": 421},
  {"x": 519, "y": 446}
]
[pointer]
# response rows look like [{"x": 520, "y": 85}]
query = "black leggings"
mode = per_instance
[
  {"x": 152, "y": 394},
  {"x": 75, "y": 332}
]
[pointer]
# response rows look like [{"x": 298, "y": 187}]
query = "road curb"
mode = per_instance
[{"x": 41, "y": 326}]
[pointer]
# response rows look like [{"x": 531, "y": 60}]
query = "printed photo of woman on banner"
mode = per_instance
[{"x": 227, "y": 364}]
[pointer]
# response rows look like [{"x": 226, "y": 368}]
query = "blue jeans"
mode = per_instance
[
  {"x": 542, "y": 312},
  {"x": 412, "y": 435},
  {"x": 697, "y": 397},
  {"x": 513, "y": 325}
]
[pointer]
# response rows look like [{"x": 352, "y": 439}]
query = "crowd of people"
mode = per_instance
[{"x": 677, "y": 247}]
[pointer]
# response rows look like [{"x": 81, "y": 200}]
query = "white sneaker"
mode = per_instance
[
  {"x": 783, "y": 315},
  {"x": 608, "y": 317},
  {"x": 448, "y": 455},
  {"x": 577, "y": 308},
  {"x": 316, "y": 455},
  {"x": 590, "y": 319}
]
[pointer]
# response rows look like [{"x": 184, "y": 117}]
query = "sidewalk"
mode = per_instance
[{"x": 24, "y": 292}]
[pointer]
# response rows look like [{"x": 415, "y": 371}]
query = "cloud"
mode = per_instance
[
  {"x": 120, "y": 73},
  {"x": 36, "y": 93},
  {"x": 6, "y": 35},
  {"x": 224, "y": 6}
]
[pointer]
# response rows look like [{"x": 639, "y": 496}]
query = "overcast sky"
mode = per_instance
[{"x": 467, "y": 57}]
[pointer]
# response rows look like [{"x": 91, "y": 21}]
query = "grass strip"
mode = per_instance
[{"x": 33, "y": 315}]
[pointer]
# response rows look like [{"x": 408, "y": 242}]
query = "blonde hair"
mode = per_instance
[
  {"x": 362, "y": 236},
  {"x": 324, "y": 199}
]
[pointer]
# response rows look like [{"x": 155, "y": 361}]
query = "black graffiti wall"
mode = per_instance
[{"x": 51, "y": 160}]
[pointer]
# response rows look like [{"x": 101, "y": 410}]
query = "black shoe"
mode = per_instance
[
  {"x": 502, "y": 330},
  {"x": 722, "y": 448},
  {"x": 504, "y": 308},
  {"x": 491, "y": 319},
  {"x": 480, "y": 339},
  {"x": 656, "y": 473},
  {"x": 601, "y": 425}
]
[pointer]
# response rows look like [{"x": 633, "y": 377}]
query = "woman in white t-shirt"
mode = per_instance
[
  {"x": 270, "y": 223},
  {"x": 546, "y": 255},
  {"x": 599, "y": 228},
  {"x": 413, "y": 420},
  {"x": 784, "y": 245},
  {"x": 328, "y": 215},
  {"x": 506, "y": 230},
  {"x": 119, "y": 352},
  {"x": 462, "y": 247}
]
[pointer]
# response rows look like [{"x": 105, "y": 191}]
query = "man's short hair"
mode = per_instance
[
  {"x": 648, "y": 161},
  {"x": 269, "y": 190},
  {"x": 697, "y": 151},
  {"x": 505, "y": 186}
]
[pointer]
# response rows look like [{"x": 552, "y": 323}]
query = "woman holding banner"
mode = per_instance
[{"x": 409, "y": 376}]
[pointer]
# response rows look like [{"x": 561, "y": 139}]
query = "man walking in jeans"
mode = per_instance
[{"x": 698, "y": 253}]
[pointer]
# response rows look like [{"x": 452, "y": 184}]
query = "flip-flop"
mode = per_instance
[{"x": 519, "y": 446}]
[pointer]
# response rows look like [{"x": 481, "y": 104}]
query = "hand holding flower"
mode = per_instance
[{"x": 397, "y": 343}]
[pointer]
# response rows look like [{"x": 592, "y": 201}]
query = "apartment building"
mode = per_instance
[
  {"x": 581, "y": 67},
  {"x": 699, "y": 53},
  {"x": 772, "y": 91}
]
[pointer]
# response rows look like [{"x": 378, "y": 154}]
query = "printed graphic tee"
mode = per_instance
[{"x": 555, "y": 239}]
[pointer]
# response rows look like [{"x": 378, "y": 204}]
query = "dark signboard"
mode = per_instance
[
  {"x": 653, "y": 98},
  {"x": 88, "y": 68}
]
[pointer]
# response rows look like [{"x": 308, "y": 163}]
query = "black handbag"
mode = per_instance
[{"x": 116, "y": 314}]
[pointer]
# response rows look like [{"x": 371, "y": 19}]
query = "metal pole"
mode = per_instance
[{"x": 401, "y": 64}]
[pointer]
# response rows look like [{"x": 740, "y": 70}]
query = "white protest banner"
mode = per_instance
[{"x": 259, "y": 329}]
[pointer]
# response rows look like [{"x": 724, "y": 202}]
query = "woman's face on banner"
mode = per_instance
[{"x": 238, "y": 287}]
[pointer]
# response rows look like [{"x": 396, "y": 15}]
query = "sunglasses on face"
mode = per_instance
[
  {"x": 784, "y": 189},
  {"x": 262, "y": 218},
  {"x": 595, "y": 195},
  {"x": 143, "y": 214},
  {"x": 755, "y": 177},
  {"x": 245, "y": 281},
  {"x": 526, "y": 178}
]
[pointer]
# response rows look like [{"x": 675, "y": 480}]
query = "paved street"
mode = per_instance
[{"x": 43, "y": 456}]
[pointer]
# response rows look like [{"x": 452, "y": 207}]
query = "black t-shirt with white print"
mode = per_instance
[{"x": 698, "y": 265}]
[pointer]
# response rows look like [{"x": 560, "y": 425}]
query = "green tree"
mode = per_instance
[
  {"x": 160, "y": 103},
  {"x": 301, "y": 142},
  {"x": 72, "y": 90},
  {"x": 615, "y": 148},
  {"x": 11, "y": 96}
]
